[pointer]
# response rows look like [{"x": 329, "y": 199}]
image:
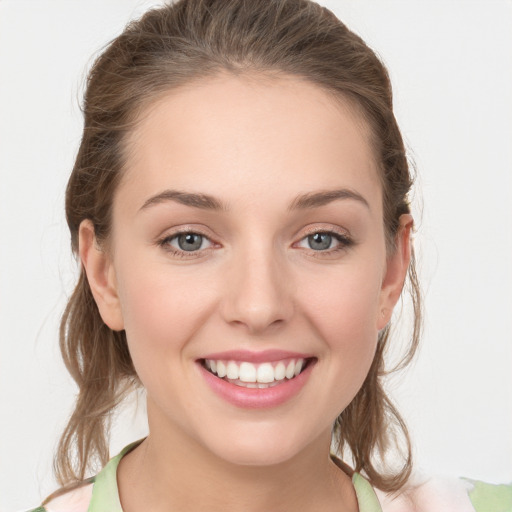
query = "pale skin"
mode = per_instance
[{"x": 257, "y": 280}]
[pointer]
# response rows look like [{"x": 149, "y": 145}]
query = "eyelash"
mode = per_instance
[{"x": 344, "y": 243}]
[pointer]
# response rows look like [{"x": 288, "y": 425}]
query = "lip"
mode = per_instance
[
  {"x": 251, "y": 398},
  {"x": 263, "y": 356}
]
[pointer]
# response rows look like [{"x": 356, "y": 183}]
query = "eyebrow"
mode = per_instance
[
  {"x": 208, "y": 202},
  {"x": 323, "y": 197},
  {"x": 203, "y": 201}
]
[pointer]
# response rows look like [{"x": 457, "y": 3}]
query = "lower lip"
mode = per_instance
[{"x": 256, "y": 398}]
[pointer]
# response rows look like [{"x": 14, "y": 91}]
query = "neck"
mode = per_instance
[{"x": 173, "y": 472}]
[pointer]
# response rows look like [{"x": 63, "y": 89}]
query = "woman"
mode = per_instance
[{"x": 239, "y": 205}]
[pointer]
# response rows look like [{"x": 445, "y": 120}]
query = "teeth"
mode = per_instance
[
  {"x": 221, "y": 369},
  {"x": 253, "y": 385},
  {"x": 265, "y": 373},
  {"x": 290, "y": 370},
  {"x": 232, "y": 370},
  {"x": 280, "y": 371},
  {"x": 256, "y": 376},
  {"x": 247, "y": 372}
]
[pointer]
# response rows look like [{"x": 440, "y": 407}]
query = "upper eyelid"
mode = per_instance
[
  {"x": 187, "y": 229},
  {"x": 324, "y": 229},
  {"x": 175, "y": 234},
  {"x": 179, "y": 233}
]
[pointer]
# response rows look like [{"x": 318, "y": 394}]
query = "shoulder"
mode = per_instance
[
  {"x": 99, "y": 492},
  {"x": 437, "y": 494},
  {"x": 489, "y": 497},
  {"x": 75, "y": 500}
]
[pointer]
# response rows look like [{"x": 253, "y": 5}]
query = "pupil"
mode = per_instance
[
  {"x": 320, "y": 241},
  {"x": 190, "y": 242}
]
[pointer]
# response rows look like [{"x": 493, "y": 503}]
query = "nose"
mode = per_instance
[{"x": 258, "y": 294}]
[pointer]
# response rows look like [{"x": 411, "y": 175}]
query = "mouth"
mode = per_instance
[{"x": 262, "y": 375}]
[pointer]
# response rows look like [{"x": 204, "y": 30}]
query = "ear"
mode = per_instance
[
  {"x": 396, "y": 271},
  {"x": 100, "y": 275}
]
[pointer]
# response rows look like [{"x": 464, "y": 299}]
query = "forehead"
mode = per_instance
[{"x": 226, "y": 133}]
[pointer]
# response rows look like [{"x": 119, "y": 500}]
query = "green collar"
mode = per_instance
[{"x": 105, "y": 495}]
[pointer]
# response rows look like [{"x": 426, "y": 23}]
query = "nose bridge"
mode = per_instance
[{"x": 259, "y": 290}]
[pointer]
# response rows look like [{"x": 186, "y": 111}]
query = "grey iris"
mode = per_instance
[
  {"x": 190, "y": 241},
  {"x": 320, "y": 241}
]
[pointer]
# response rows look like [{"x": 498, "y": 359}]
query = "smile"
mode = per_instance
[
  {"x": 261, "y": 376},
  {"x": 256, "y": 380}
]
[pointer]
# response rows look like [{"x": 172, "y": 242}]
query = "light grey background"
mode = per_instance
[{"x": 450, "y": 63}]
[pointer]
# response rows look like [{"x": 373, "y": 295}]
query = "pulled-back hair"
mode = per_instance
[{"x": 169, "y": 47}]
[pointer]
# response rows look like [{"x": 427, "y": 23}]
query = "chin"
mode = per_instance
[
  {"x": 257, "y": 458},
  {"x": 261, "y": 447}
]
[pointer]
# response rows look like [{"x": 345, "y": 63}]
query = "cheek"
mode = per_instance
[
  {"x": 161, "y": 311},
  {"x": 343, "y": 308},
  {"x": 343, "y": 301}
]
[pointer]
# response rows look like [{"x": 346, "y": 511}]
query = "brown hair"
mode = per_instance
[{"x": 171, "y": 46}]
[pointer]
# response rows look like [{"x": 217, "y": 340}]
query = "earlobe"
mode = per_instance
[
  {"x": 101, "y": 276},
  {"x": 396, "y": 271}
]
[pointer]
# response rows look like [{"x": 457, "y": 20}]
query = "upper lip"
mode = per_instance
[{"x": 256, "y": 357}]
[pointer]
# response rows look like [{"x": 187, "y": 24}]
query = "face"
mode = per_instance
[{"x": 249, "y": 264}]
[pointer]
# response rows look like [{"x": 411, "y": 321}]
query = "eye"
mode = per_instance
[
  {"x": 186, "y": 242},
  {"x": 320, "y": 241},
  {"x": 325, "y": 241}
]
